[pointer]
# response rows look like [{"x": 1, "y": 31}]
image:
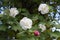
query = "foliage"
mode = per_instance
[{"x": 28, "y": 8}]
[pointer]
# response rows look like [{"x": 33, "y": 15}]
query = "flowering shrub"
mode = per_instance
[{"x": 30, "y": 20}]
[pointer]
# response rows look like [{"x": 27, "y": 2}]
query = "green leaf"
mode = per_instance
[
  {"x": 35, "y": 17},
  {"x": 57, "y": 26},
  {"x": 41, "y": 18},
  {"x": 3, "y": 27},
  {"x": 55, "y": 34},
  {"x": 2, "y": 38},
  {"x": 1, "y": 15},
  {"x": 25, "y": 12},
  {"x": 25, "y": 37},
  {"x": 16, "y": 27}
]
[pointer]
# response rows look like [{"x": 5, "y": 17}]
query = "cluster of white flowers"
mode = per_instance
[
  {"x": 13, "y": 12},
  {"x": 54, "y": 29},
  {"x": 26, "y": 23},
  {"x": 44, "y": 8},
  {"x": 43, "y": 27}
]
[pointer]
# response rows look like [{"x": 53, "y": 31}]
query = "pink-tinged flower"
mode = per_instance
[{"x": 36, "y": 33}]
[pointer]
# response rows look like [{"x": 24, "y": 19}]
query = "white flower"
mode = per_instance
[
  {"x": 43, "y": 27},
  {"x": 53, "y": 29},
  {"x": 13, "y": 12},
  {"x": 2, "y": 12},
  {"x": 58, "y": 30},
  {"x": 44, "y": 8},
  {"x": 58, "y": 8},
  {"x": 9, "y": 27},
  {"x": 59, "y": 21},
  {"x": 2, "y": 8},
  {"x": 26, "y": 23}
]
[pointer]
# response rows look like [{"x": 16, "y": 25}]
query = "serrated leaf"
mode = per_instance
[{"x": 16, "y": 28}]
